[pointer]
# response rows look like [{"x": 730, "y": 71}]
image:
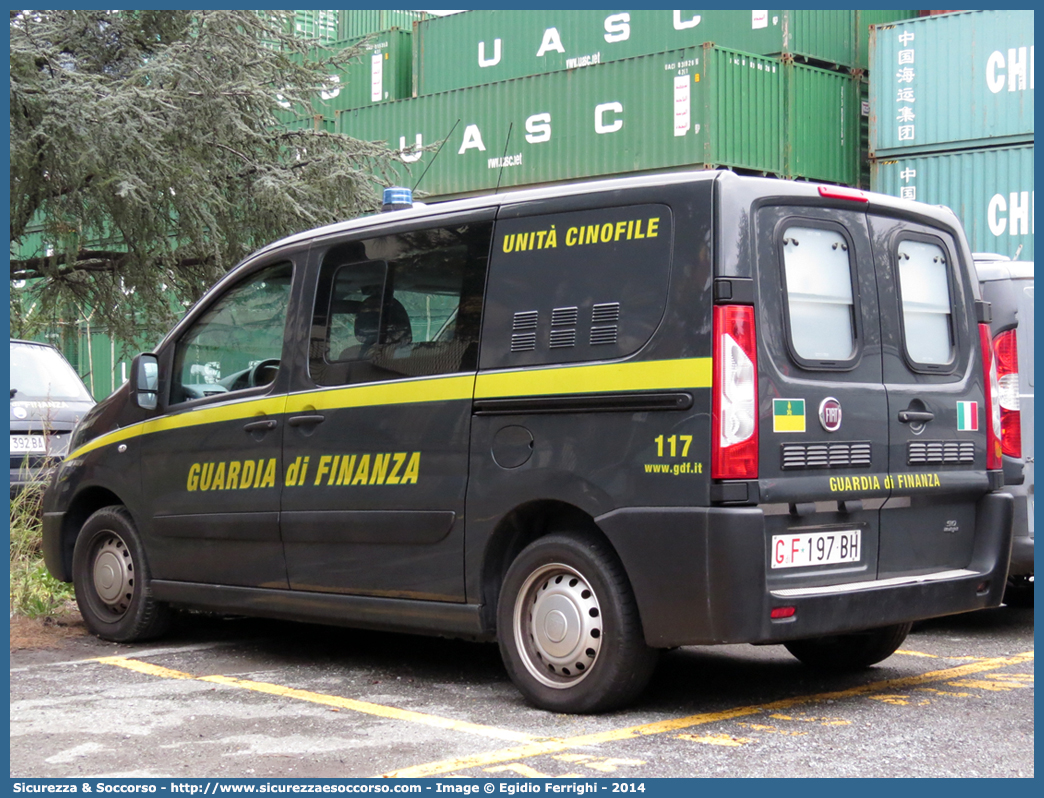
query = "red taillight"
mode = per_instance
[
  {"x": 734, "y": 425},
  {"x": 1006, "y": 355},
  {"x": 993, "y": 419}
]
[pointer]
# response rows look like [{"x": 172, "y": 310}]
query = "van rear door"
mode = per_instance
[
  {"x": 823, "y": 451},
  {"x": 938, "y": 410}
]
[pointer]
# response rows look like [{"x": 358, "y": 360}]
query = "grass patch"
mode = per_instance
[{"x": 34, "y": 592}]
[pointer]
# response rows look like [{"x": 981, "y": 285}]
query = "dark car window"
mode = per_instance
[
  {"x": 403, "y": 305},
  {"x": 237, "y": 343}
]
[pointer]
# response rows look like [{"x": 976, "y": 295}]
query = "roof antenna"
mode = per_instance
[
  {"x": 1017, "y": 252},
  {"x": 503, "y": 159},
  {"x": 436, "y": 155}
]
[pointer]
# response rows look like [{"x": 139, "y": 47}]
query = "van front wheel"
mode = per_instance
[
  {"x": 849, "y": 652},
  {"x": 111, "y": 580},
  {"x": 569, "y": 629}
]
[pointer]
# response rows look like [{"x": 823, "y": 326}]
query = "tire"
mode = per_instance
[
  {"x": 850, "y": 652},
  {"x": 111, "y": 579},
  {"x": 1019, "y": 592},
  {"x": 588, "y": 653}
]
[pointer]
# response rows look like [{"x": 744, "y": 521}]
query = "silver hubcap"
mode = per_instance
[
  {"x": 558, "y": 625},
  {"x": 113, "y": 574}
]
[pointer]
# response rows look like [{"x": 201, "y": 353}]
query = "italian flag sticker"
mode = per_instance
[
  {"x": 967, "y": 416},
  {"x": 788, "y": 415}
]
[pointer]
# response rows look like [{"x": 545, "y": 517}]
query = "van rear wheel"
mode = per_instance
[
  {"x": 569, "y": 631},
  {"x": 111, "y": 580},
  {"x": 852, "y": 651}
]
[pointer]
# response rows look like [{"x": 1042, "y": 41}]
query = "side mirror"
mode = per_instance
[{"x": 145, "y": 379}]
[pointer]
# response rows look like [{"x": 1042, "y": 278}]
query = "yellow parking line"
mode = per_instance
[
  {"x": 144, "y": 667},
  {"x": 336, "y": 702},
  {"x": 661, "y": 727},
  {"x": 378, "y": 710},
  {"x": 532, "y": 745}
]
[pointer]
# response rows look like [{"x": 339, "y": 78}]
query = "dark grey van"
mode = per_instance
[
  {"x": 1008, "y": 286},
  {"x": 48, "y": 398},
  {"x": 589, "y": 421}
]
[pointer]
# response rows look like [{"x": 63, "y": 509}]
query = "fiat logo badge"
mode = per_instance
[{"x": 830, "y": 414}]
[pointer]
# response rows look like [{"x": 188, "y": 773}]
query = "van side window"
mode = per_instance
[
  {"x": 404, "y": 305},
  {"x": 575, "y": 286},
  {"x": 237, "y": 343},
  {"x": 820, "y": 306},
  {"x": 924, "y": 291}
]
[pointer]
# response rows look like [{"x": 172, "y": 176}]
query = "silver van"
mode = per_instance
[{"x": 1008, "y": 286}]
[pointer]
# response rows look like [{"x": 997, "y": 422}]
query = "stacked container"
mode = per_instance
[
  {"x": 525, "y": 97},
  {"x": 381, "y": 72},
  {"x": 320, "y": 25},
  {"x": 702, "y": 106},
  {"x": 952, "y": 121},
  {"x": 354, "y": 23},
  {"x": 478, "y": 47}
]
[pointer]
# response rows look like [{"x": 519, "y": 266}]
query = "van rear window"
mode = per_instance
[
  {"x": 924, "y": 291},
  {"x": 819, "y": 293}
]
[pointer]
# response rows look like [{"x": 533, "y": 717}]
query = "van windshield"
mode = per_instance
[{"x": 39, "y": 372}]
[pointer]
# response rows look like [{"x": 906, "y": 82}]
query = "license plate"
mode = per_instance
[
  {"x": 28, "y": 444},
  {"x": 815, "y": 548}
]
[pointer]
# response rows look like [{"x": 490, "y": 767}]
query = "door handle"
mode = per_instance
[
  {"x": 302, "y": 421},
  {"x": 915, "y": 416},
  {"x": 264, "y": 425}
]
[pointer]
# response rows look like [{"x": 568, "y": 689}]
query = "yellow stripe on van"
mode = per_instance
[
  {"x": 647, "y": 375},
  {"x": 269, "y": 406},
  {"x": 437, "y": 389},
  {"x": 124, "y": 434},
  {"x": 190, "y": 418},
  {"x": 653, "y": 375}
]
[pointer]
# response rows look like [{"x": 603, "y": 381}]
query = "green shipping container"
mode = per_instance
[
  {"x": 381, "y": 72},
  {"x": 315, "y": 122},
  {"x": 990, "y": 190},
  {"x": 384, "y": 72},
  {"x": 351, "y": 24},
  {"x": 954, "y": 81},
  {"x": 822, "y": 112},
  {"x": 477, "y": 47},
  {"x": 695, "y": 108},
  {"x": 321, "y": 25}
]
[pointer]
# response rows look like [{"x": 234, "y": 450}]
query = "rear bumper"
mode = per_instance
[
  {"x": 1021, "y": 536},
  {"x": 699, "y": 577}
]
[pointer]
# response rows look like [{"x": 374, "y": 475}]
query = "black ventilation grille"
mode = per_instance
[
  {"x": 523, "y": 342},
  {"x": 605, "y": 313},
  {"x": 929, "y": 452},
  {"x": 563, "y": 338},
  {"x": 564, "y": 317},
  {"x": 525, "y": 320},
  {"x": 523, "y": 331},
  {"x": 855, "y": 454},
  {"x": 603, "y": 335}
]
